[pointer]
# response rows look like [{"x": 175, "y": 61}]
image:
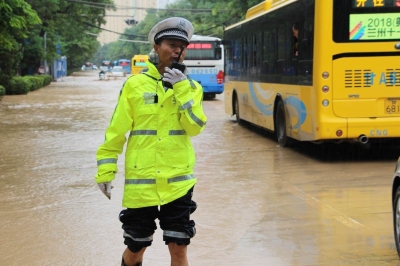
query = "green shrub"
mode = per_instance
[
  {"x": 47, "y": 79},
  {"x": 38, "y": 80},
  {"x": 18, "y": 85},
  {"x": 4, "y": 80},
  {"x": 29, "y": 82},
  {"x": 2, "y": 91}
]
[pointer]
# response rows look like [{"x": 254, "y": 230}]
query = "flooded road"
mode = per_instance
[{"x": 259, "y": 204}]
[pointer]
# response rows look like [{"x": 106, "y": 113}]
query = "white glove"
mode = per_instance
[
  {"x": 106, "y": 189},
  {"x": 173, "y": 75}
]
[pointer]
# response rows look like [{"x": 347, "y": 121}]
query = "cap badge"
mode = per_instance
[{"x": 181, "y": 25}]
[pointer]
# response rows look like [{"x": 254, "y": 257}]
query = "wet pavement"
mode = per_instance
[{"x": 259, "y": 204}]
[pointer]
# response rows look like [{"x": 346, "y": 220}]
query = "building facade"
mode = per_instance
[{"x": 126, "y": 10}]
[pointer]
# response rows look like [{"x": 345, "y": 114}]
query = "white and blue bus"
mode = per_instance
[
  {"x": 205, "y": 64},
  {"x": 126, "y": 65}
]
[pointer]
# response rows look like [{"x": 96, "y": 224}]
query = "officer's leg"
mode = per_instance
[
  {"x": 178, "y": 254},
  {"x": 134, "y": 259},
  {"x": 139, "y": 226},
  {"x": 177, "y": 227}
]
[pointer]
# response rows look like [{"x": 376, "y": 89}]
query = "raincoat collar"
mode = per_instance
[{"x": 153, "y": 71}]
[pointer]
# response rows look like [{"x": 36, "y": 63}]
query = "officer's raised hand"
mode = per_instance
[{"x": 173, "y": 76}]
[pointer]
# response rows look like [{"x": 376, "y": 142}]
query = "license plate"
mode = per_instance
[{"x": 392, "y": 106}]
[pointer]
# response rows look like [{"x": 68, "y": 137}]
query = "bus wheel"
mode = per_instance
[
  {"x": 396, "y": 219},
  {"x": 236, "y": 110},
  {"x": 280, "y": 124}
]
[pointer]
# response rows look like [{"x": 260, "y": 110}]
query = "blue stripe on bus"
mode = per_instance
[
  {"x": 300, "y": 107},
  {"x": 291, "y": 102},
  {"x": 266, "y": 109}
]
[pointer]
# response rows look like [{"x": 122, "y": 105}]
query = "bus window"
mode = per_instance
[
  {"x": 254, "y": 51},
  {"x": 295, "y": 30},
  {"x": 218, "y": 52},
  {"x": 306, "y": 47},
  {"x": 202, "y": 51},
  {"x": 284, "y": 52}
]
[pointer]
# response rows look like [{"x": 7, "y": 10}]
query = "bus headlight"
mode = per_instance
[
  {"x": 325, "y": 75},
  {"x": 325, "y": 103}
]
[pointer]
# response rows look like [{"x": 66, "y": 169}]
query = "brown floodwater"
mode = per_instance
[{"x": 259, "y": 204}]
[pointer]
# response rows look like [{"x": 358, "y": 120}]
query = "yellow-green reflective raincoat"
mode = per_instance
[{"x": 159, "y": 157}]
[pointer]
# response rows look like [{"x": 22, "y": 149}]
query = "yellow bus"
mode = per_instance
[
  {"x": 316, "y": 70},
  {"x": 138, "y": 63}
]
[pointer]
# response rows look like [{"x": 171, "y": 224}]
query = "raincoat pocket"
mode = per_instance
[
  {"x": 146, "y": 117},
  {"x": 182, "y": 160},
  {"x": 140, "y": 163}
]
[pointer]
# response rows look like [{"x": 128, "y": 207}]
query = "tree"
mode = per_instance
[
  {"x": 209, "y": 17},
  {"x": 26, "y": 27},
  {"x": 66, "y": 23},
  {"x": 212, "y": 16},
  {"x": 16, "y": 19}
]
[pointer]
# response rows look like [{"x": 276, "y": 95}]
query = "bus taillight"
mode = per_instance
[{"x": 220, "y": 77}]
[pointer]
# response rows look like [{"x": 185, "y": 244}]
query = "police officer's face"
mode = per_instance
[{"x": 168, "y": 51}]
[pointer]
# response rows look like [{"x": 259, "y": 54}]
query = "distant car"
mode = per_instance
[
  {"x": 118, "y": 71},
  {"x": 396, "y": 205},
  {"x": 94, "y": 67},
  {"x": 104, "y": 68}
]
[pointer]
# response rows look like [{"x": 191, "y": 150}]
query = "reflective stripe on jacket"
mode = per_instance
[{"x": 159, "y": 157}]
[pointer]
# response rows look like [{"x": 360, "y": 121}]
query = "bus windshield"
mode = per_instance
[
  {"x": 366, "y": 20},
  {"x": 142, "y": 64},
  {"x": 202, "y": 51}
]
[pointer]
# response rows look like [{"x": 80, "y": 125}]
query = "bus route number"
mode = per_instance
[
  {"x": 392, "y": 106},
  {"x": 202, "y": 71}
]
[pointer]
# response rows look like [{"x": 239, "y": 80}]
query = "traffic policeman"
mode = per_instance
[{"x": 161, "y": 109}]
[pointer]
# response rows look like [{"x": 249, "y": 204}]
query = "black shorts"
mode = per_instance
[{"x": 139, "y": 224}]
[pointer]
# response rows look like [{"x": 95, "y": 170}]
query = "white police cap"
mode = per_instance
[{"x": 172, "y": 28}]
